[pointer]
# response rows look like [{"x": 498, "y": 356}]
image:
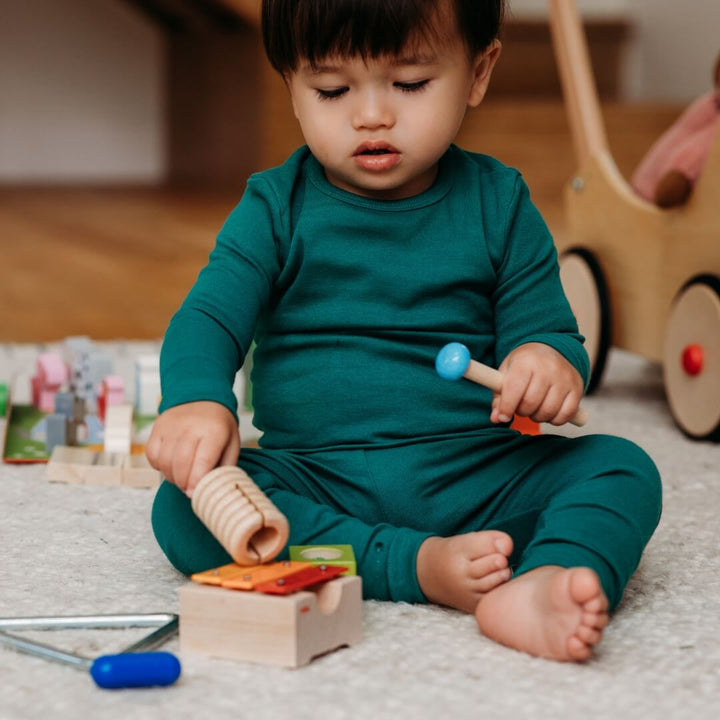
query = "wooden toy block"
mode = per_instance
[
  {"x": 240, "y": 516},
  {"x": 118, "y": 429},
  {"x": 52, "y": 373},
  {"x": 147, "y": 384},
  {"x": 341, "y": 555},
  {"x": 58, "y": 431},
  {"x": 286, "y": 630},
  {"x": 112, "y": 392},
  {"x": 137, "y": 472},
  {"x": 71, "y": 406},
  {"x": 84, "y": 466}
]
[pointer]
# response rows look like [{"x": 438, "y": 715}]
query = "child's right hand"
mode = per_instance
[{"x": 189, "y": 440}]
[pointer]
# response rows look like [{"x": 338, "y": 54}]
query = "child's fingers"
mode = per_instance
[
  {"x": 514, "y": 387},
  {"x": 550, "y": 405},
  {"x": 231, "y": 453},
  {"x": 535, "y": 397},
  {"x": 159, "y": 452},
  {"x": 181, "y": 459},
  {"x": 208, "y": 453},
  {"x": 568, "y": 408}
]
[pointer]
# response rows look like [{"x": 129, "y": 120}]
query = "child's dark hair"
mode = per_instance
[{"x": 315, "y": 29}]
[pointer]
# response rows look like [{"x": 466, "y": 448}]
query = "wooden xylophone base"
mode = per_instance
[{"x": 286, "y": 630}]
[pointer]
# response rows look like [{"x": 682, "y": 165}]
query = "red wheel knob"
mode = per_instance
[{"x": 692, "y": 359}]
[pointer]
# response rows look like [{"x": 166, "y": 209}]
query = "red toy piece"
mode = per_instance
[
  {"x": 300, "y": 580},
  {"x": 693, "y": 359}
]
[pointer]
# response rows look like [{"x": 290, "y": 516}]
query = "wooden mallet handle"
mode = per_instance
[{"x": 454, "y": 362}]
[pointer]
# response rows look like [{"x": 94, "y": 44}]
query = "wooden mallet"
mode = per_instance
[{"x": 454, "y": 362}]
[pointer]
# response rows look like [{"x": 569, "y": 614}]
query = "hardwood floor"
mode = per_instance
[
  {"x": 109, "y": 263},
  {"x": 116, "y": 262}
]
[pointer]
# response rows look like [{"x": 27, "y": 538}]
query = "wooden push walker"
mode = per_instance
[
  {"x": 638, "y": 277},
  {"x": 282, "y": 613}
]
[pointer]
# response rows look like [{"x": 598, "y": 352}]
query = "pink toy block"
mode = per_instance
[{"x": 52, "y": 373}]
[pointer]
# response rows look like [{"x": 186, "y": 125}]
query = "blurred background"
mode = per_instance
[{"x": 128, "y": 129}]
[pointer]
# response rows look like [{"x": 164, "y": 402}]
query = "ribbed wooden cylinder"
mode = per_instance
[{"x": 240, "y": 516}]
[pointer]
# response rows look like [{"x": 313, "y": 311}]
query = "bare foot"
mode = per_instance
[
  {"x": 551, "y": 612},
  {"x": 457, "y": 571}
]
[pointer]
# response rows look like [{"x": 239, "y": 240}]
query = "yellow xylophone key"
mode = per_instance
[
  {"x": 217, "y": 576},
  {"x": 262, "y": 574}
]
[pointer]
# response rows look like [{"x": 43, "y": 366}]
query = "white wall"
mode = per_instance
[
  {"x": 673, "y": 47},
  {"x": 81, "y": 93}
]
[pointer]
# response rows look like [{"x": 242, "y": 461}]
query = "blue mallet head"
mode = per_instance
[{"x": 452, "y": 361}]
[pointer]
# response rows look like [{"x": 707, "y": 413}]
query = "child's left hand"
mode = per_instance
[{"x": 539, "y": 383}]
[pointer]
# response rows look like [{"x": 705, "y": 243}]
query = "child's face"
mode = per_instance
[{"x": 379, "y": 127}]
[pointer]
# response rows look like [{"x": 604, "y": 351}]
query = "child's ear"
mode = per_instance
[{"x": 482, "y": 70}]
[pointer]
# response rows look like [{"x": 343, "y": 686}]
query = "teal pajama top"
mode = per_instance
[{"x": 349, "y": 300}]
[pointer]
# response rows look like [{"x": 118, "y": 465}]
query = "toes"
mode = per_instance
[
  {"x": 503, "y": 543},
  {"x": 597, "y": 604},
  {"x": 486, "y": 565},
  {"x": 577, "y": 649},
  {"x": 488, "y": 542},
  {"x": 595, "y": 620},
  {"x": 489, "y": 582},
  {"x": 584, "y": 585},
  {"x": 586, "y": 591},
  {"x": 589, "y": 635}
]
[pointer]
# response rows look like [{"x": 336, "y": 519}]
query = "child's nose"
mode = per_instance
[{"x": 372, "y": 111}]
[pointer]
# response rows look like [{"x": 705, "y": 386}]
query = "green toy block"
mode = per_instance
[{"x": 335, "y": 555}]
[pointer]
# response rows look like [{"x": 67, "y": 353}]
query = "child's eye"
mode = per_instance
[
  {"x": 331, "y": 94},
  {"x": 412, "y": 86}
]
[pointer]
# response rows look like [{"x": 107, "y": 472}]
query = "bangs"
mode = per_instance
[{"x": 323, "y": 28}]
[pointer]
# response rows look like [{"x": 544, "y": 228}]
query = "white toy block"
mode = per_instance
[
  {"x": 118, "y": 429},
  {"x": 147, "y": 384}
]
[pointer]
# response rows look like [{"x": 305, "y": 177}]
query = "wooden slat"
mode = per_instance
[{"x": 579, "y": 90}]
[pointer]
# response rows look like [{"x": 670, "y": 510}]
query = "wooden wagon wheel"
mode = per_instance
[
  {"x": 692, "y": 358},
  {"x": 586, "y": 290}
]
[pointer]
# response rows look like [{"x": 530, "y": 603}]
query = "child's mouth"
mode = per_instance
[{"x": 376, "y": 156}]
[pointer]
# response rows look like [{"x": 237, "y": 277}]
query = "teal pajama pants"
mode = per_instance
[{"x": 591, "y": 501}]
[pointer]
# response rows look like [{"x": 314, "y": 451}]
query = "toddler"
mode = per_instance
[{"x": 351, "y": 265}]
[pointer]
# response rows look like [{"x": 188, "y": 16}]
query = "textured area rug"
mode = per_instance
[{"x": 70, "y": 550}]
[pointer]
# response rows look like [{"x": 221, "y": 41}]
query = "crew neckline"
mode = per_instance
[{"x": 440, "y": 187}]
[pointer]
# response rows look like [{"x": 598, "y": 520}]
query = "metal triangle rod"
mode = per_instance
[
  {"x": 155, "y": 638},
  {"x": 31, "y": 647},
  {"x": 86, "y": 622}
]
